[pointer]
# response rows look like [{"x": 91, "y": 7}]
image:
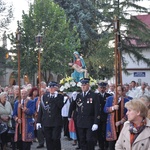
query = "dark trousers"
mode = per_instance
[
  {"x": 101, "y": 136},
  {"x": 11, "y": 139},
  {"x": 53, "y": 135},
  {"x": 112, "y": 145},
  {"x": 4, "y": 138},
  {"x": 77, "y": 132},
  {"x": 24, "y": 145},
  {"x": 87, "y": 138},
  {"x": 66, "y": 126},
  {"x": 40, "y": 136}
]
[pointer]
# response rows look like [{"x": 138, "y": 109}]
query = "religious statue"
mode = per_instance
[{"x": 79, "y": 67}]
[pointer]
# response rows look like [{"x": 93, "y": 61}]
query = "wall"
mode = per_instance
[{"x": 138, "y": 70}]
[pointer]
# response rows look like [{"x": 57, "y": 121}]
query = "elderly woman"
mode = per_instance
[
  {"x": 5, "y": 115},
  {"x": 135, "y": 134}
]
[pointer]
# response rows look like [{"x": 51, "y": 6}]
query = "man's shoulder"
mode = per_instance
[
  {"x": 16, "y": 102},
  {"x": 47, "y": 94},
  {"x": 60, "y": 95},
  {"x": 30, "y": 102},
  {"x": 126, "y": 99},
  {"x": 110, "y": 98},
  {"x": 107, "y": 94}
]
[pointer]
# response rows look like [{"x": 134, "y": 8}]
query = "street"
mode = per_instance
[{"x": 66, "y": 145}]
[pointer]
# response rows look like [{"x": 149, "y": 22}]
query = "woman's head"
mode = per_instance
[
  {"x": 76, "y": 55},
  {"x": 34, "y": 92},
  {"x": 136, "y": 108},
  {"x": 3, "y": 97},
  {"x": 43, "y": 90},
  {"x": 146, "y": 100},
  {"x": 16, "y": 90}
]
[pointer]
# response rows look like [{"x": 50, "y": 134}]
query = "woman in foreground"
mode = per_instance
[{"x": 135, "y": 134}]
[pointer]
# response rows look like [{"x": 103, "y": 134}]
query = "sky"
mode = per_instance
[{"x": 20, "y": 5}]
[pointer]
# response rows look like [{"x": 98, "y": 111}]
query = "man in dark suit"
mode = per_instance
[
  {"x": 87, "y": 106},
  {"x": 101, "y": 132},
  {"x": 50, "y": 116},
  {"x": 73, "y": 114}
]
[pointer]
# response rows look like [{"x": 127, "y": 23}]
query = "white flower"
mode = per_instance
[
  {"x": 67, "y": 85},
  {"x": 62, "y": 88},
  {"x": 72, "y": 83},
  {"x": 92, "y": 84},
  {"x": 79, "y": 84}
]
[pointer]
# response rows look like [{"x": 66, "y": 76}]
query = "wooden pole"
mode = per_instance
[
  {"x": 116, "y": 66},
  {"x": 38, "y": 39},
  {"x": 119, "y": 59},
  {"x": 39, "y": 71},
  {"x": 19, "y": 83}
]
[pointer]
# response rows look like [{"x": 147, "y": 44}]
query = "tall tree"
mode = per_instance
[
  {"x": 2, "y": 61},
  {"x": 6, "y": 14},
  {"x": 58, "y": 44},
  {"x": 95, "y": 23}
]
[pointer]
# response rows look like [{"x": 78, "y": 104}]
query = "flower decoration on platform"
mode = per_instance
[
  {"x": 69, "y": 85},
  {"x": 93, "y": 84}
]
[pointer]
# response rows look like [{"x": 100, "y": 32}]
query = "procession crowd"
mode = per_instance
[{"x": 87, "y": 118}]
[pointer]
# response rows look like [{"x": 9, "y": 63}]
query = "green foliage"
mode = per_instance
[
  {"x": 6, "y": 13},
  {"x": 58, "y": 43},
  {"x": 6, "y": 17},
  {"x": 2, "y": 61},
  {"x": 90, "y": 20},
  {"x": 94, "y": 21}
]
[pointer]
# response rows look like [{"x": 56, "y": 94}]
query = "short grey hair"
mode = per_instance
[
  {"x": 16, "y": 87},
  {"x": 145, "y": 98},
  {"x": 42, "y": 82},
  {"x": 2, "y": 94}
]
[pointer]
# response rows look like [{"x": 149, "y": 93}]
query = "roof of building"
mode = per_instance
[{"x": 146, "y": 20}]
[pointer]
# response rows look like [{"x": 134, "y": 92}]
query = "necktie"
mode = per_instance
[
  {"x": 22, "y": 103},
  {"x": 84, "y": 93}
]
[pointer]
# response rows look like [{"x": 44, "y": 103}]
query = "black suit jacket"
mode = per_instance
[
  {"x": 87, "y": 109},
  {"x": 103, "y": 116},
  {"x": 50, "y": 113}
]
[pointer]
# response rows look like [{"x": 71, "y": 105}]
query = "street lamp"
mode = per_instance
[
  {"x": 38, "y": 40},
  {"x": 18, "y": 38}
]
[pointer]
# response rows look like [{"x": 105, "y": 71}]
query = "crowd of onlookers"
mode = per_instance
[{"x": 10, "y": 94}]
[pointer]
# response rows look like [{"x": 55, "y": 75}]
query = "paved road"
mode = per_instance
[{"x": 66, "y": 145}]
